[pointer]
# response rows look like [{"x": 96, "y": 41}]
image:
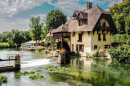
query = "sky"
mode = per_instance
[{"x": 16, "y": 14}]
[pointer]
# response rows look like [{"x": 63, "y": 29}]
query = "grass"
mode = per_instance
[
  {"x": 3, "y": 79},
  {"x": 32, "y": 75}
]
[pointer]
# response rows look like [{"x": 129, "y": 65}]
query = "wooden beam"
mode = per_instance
[{"x": 7, "y": 59}]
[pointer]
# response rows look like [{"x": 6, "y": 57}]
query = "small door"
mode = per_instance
[{"x": 81, "y": 48}]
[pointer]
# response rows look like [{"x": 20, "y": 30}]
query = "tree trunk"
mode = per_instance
[{"x": 36, "y": 43}]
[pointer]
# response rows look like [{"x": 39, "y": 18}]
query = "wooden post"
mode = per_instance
[
  {"x": 17, "y": 62},
  {"x": 61, "y": 40},
  {"x": 70, "y": 42}
]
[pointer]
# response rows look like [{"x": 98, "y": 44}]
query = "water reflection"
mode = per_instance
[{"x": 103, "y": 73}]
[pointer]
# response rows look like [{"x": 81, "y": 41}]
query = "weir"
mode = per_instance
[{"x": 15, "y": 66}]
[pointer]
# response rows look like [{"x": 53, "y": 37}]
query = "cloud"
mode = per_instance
[
  {"x": 8, "y": 25},
  {"x": 42, "y": 16},
  {"x": 11, "y": 7},
  {"x": 112, "y": 2},
  {"x": 8, "y": 8},
  {"x": 106, "y": 10},
  {"x": 69, "y": 6}
]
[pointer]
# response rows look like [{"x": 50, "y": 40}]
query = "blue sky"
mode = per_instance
[{"x": 16, "y": 14}]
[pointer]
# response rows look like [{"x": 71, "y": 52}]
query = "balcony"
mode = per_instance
[{"x": 103, "y": 28}]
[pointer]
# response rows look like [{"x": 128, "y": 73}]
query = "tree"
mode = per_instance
[
  {"x": 55, "y": 18},
  {"x": 36, "y": 28},
  {"x": 127, "y": 23},
  {"x": 120, "y": 13},
  {"x": 17, "y": 37}
]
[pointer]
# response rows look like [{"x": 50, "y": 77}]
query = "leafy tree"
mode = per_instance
[
  {"x": 44, "y": 33},
  {"x": 55, "y": 18},
  {"x": 15, "y": 36},
  {"x": 120, "y": 13},
  {"x": 127, "y": 24},
  {"x": 11, "y": 43},
  {"x": 120, "y": 38},
  {"x": 36, "y": 28}
]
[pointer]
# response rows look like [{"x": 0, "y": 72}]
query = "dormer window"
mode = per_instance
[
  {"x": 84, "y": 21},
  {"x": 80, "y": 23},
  {"x": 104, "y": 24}
]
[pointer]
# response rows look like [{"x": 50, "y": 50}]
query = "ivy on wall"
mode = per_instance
[{"x": 49, "y": 39}]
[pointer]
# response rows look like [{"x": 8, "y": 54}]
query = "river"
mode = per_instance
[{"x": 117, "y": 74}]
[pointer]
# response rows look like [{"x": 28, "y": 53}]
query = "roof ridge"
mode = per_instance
[{"x": 101, "y": 10}]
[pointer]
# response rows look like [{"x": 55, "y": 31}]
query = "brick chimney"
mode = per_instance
[{"x": 89, "y": 5}]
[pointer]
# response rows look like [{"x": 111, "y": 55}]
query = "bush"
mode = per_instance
[
  {"x": 128, "y": 42},
  {"x": 3, "y": 79},
  {"x": 4, "y": 45},
  {"x": 120, "y": 38},
  {"x": 122, "y": 54},
  {"x": 39, "y": 48},
  {"x": 99, "y": 54}
]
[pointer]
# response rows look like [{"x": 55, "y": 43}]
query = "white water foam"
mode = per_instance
[{"x": 35, "y": 62}]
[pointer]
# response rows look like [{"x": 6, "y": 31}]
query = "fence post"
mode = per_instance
[{"x": 17, "y": 62}]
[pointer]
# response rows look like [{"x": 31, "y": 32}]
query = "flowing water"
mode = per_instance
[{"x": 110, "y": 73}]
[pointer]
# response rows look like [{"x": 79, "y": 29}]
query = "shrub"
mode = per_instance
[
  {"x": 122, "y": 54},
  {"x": 3, "y": 79},
  {"x": 39, "y": 48},
  {"x": 4, "y": 45},
  {"x": 99, "y": 54},
  {"x": 128, "y": 42}
]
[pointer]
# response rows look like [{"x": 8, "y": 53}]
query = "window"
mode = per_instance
[
  {"x": 80, "y": 37},
  {"x": 104, "y": 37},
  {"x": 99, "y": 36},
  {"x": 104, "y": 24},
  {"x": 88, "y": 33},
  {"x": 76, "y": 47},
  {"x": 73, "y": 34},
  {"x": 109, "y": 46},
  {"x": 106, "y": 46},
  {"x": 81, "y": 48},
  {"x": 95, "y": 47},
  {"x": 72, "y": 47},
  {"x": 80, "y": 23},
  {"x": 84, "y": 21}
]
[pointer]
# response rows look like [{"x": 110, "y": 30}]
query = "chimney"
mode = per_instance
[{"x": 89, "y": 5}]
